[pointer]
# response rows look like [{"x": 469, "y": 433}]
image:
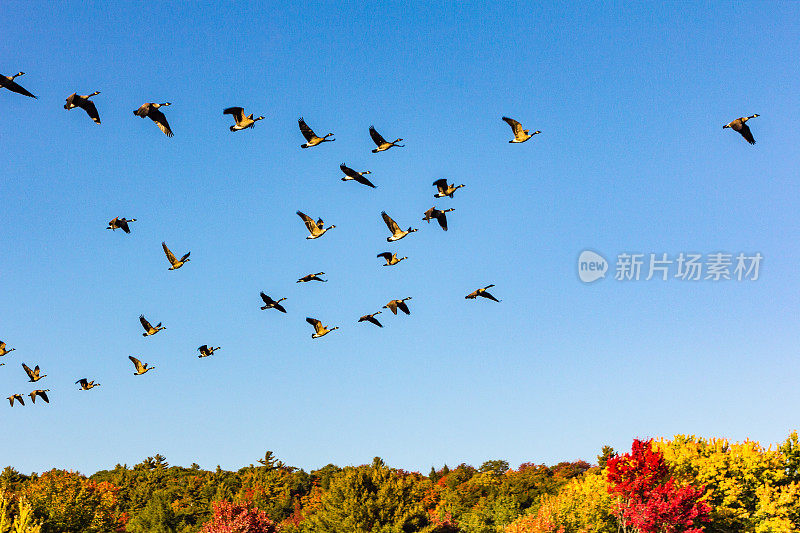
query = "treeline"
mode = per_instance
[{"x": 683, "y": 484}]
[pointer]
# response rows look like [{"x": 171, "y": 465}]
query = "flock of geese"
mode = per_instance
[{"x": 316, "y": 228}]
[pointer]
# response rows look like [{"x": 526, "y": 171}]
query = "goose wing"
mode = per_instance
[
  {"x": 747, "y": 134},
  {"x": 314, "y": 322},
  {"x": 29, "y": 371},
  {"x": 143, "y": 110},
  {"x": 374, "y": 320},
  {"x": 43, "y": 394},
  {"x": 267, "y": 299},
  {"x": 385, "y": 255},
  {"x": 390, "y": 223},
  {"x": 237, "y": 112},
  {"x": 516, "y": 127},
  {"x": 307, "y": 132},
  {"x": 441, "y": 185},
  {"x": 489, "y": 296},
  {"x": 170, "y": 256},
  {"x": 349, "y": 171},
  {"x": 392, "y": 306},
  {"x": 185, "y": 256},
  {"x": 363, "y": 181},
  {"x": 136, "y": 363},
  {"x": 2, "y": 346},
  {"x": 161, "y": 121},
  {"x": 279, "y": 307},
  {"x": 13, "y": 86},
  {"x": 403, "y": 307},
  {"x": 123, "y": 224},
  {"x": 145, "y": 324},
  {"x": 84, "y": 382},
  {"x": 88, "y": 106},
  {"x": 441, "y": 217},
  {"x": 310, "y": 224},
  {"x": 376, "y": 137}
]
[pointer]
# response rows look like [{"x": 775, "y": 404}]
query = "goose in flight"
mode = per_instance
[
  {"x": 176, "y": 263},
  {"x": 13, "y": 397},
  {"x": 120, "y": 223},
  {"x": 311, "y": 137},
  {"x": 481, "y": 292},
  {"x": 141, "y": 368},
  {"x": 269, "y": 303},
  {"x": 242, "y": 121},
  {"x": 315, "y": 228},
  {"x": 397, "y": 233},
  {"x": 9, "y": 83},
  {"x": 148, "y": 329},
  {"x": 445, "y": 189},
  {"x": 312, "y": 277},
  {"x": 440, "y": 216},
  {"x": 520, "y": 135},
  {"x": 39, "y": 392},
  {"x": 350, "y": 174},
  {"x": 394, "y": 305},
  {"x": 86, "y": 384},
  {"x": 380, "y": 142},
  {"x": 319, "y": 329},
  {"x": 4, "y": 350},
  {"x": 76, "y": 100},
  {"x": 740, "y": 126},
  {"x": 33, "y": 374},
  {"x": 391, "y": 259},
  {"x": 150, "y": 110},
  {"x": 371, "y": 318},
  {"x": 205, "y": 351}
]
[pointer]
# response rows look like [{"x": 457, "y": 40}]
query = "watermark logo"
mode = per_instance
[{"x": 591, "y": 266}]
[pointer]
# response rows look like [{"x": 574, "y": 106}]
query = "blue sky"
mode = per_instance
[{"x": 630, "y": 100}]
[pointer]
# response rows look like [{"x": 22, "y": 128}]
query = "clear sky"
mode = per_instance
[{"x": 632, "y": 157}]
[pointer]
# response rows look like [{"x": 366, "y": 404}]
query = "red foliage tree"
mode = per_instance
[{"x": 238, "y": 518}]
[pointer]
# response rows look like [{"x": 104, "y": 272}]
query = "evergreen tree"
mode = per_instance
[{"x": 156, "y": 517}]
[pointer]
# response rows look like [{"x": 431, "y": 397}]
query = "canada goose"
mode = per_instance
[
  {"x": 380, "y": 142},
  {"x": 17, "y": 397},
  {"x": 315, "y": 228},
  {"x": 148, "y": 329},
  {"x": 205, "y": 351},
  {"x": 141, "y": 368},
  {"x": 397, "y": 233},
  {"x": 319, "y": 329},
  {"x": 242, "y": 121},
  {"x": 86, "y": 384},
  {"x": 482, "y": 292},
  {"x": 350, "y": 174},
  {"x": 520, "y": 135},
  {"x": 391, "y": 259},
  {"x": 438, "y": 215},
  {"x": 740, "y": 126},
  {"x": 176, "y": 264},
  {"x": 39, "y": 392},
  {"x": 371, "y": 318},
  {"x": 445, "y": 189},
  {"x": 312, "y": 277},
  {"x": 33, "y": 374},
  {"x": 76, "y": 100},
  {"x": 269, "y": 303},
  {"x": 9, "y": 83},
  {"x": 150, "y": 110},
  {"x": 3, "y": 350},
  {"x": 120, "y": 223},
  {"x": 394, "y": 305},
  {"x": 311, "y": 137}
]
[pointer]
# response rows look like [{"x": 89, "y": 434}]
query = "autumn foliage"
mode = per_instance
[{"x": 238, "y": 518}]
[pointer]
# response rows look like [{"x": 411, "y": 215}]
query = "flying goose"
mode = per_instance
[
  {"x": 319, "y": 329},
  {"x": 76, "y": 100},
  {"x": 481, "y": 292},
  {"x": 120, "y": 223},
  {"x": 39, "y": 392},
  {"x": 148, "y": 329},
  {"x": 205, "y": 351},
  {"x": 13, "y": 397},
  {"x": 33, "y": 374},
  {"x": 9, "y": 83},
  {"x": 141, "y": 368},
  {"x": 3, "y": 350},
  {"x": 520, "y": 135},
  {"x": 150, "y": 110},
  {"x": 315, "y": 228},
  {"x": 445, "y": 189},
  {"x": 371, "y": 318},
  {"x": 242, "y": 121},
  {"x": 740, "y": 126},
  {"x": 394, "y": 305},
  {"x": 312, "y": 277},
  {"x": 380, "y": 142},
  {"x": 86, "y": 384},
  {"x": 397, "y": 233},
  {"x": 269, "y": 303},
  {"x": 176, "y": 264},
  {"x": 311, "y": 137},
  {"x": 391, "y": 259},
  {"x": 438, "y": 215},
  {"x": 350, "y": 174}
]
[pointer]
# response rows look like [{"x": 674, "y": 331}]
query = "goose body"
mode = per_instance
[
  {"x": 391, "y": 259},
  {"x": 312, "y": 277},
  {"x": 76, "y": 100},
  {"x": 33, "y": 375},
  {"x": 311, "y": 137},
  {"x": 445, "y": 189},
  {"x": 4, "y": 350},
  {"x": 17, "y": 397},
  {"x": 9, "y": 83},
  {"x": 173, "y": 261},
  {"x": 319, "y": 329},
  {"x": 440, "y": 216},
  {"x": 269, "y": 303},
  {"x": 397, "y": 233},
  {"x": 740, "y": 126},
  {"x": 481, "y": 292},
  {"x": 86, "y": 384},
  {"x": 242, "y": 121},
  {"x": 151, "y": 110},
  {"x": 141, "y": 368},
  {"x": 371, "y": 318},
  {"x": 520, "y": 135},
  {"x": 381, "y": 143},
  {"x": 42, "y": 393},
  {"x": 148, "y": 329},
  {"x": 350, "y": 174},
  {"x": 120, "y": 223},
  {"x": 316, "y": 229},
  {"x": 205, "y": 351},
  {"x": 394, "y": 305}
]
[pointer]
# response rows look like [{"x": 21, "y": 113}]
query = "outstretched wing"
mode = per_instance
[
  {"x": 390, "y": 223},
  {"x": 267, "y": 299},
  {"x": 314, "y": 322},
  {"x": 91, "y": 110},
  {"x": 170, "y": 256},
  {"x": 376, "y": 137},
  {"x": 237, "y": 112},
  {"x": 310, "y": 224},
  {"x": 279, "y": 307},
  {"x": 385, "y": 255},
  {"x": 123, "y": 224},
  {"x": 43, "y": 394},
  {"x": 145, "y": 324},
  {"x": 441, "y": 217},
  {"x": 441, "y": 184},
  {"x": 403, "y": 307},
  {"x": 83, "y": 381},
  {"x": 28, "y": 371},
  {"x": 13, "y": 86},
  {"x": 364, "y": 181},
  {"x": 185, "y": 256},
  {"x": 349, "y": 171},
  {"x": 489, "y": 296},
  {"x": 136, "y": 363},
  {"x": 516, "y": 127},
  {"x": 747, "y": 134},
  {"x": 161, "y": 121},
  {"x": 374, "y": 321},
  {"x": 307, "y": 132}
]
